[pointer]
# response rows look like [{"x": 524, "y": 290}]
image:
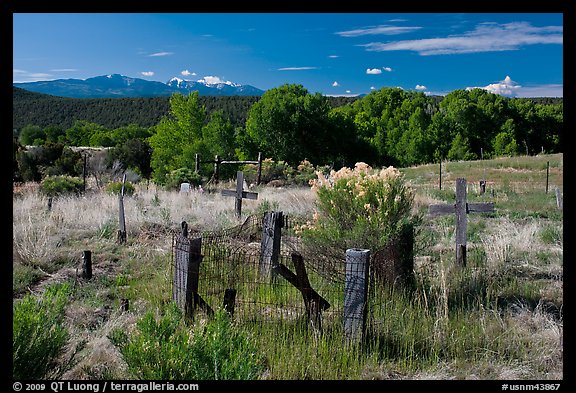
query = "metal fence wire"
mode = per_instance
[
  {"x": 301, "y": 286},
  {"x": 269, "y": 295}
]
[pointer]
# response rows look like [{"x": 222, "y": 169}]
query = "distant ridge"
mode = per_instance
[{"x": 120, "y": 86}]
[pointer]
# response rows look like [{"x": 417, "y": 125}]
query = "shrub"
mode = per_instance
[
  {"x": 360, "y": 207},
  {"x": 271, "y": 170},
  {"x": 183, "y": 175},
  {"x": 38, "y": 336},
  {"x": 305, "y": 172},
  {"x": 115, "y": 188},
  {"x": 58, "y": 185},
  {"x": 167, "y": 349}
]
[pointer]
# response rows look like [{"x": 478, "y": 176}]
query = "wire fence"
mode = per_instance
[
  {"x": 327, "y": 289},
  {"x": 232, "y": 259}
]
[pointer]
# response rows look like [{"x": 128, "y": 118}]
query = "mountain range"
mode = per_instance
[{"x": 120, "y": 86}]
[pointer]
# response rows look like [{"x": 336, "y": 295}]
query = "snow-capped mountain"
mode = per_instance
[
  {"x": 117, "y": 86},
  {"x": 205, "y": 87}
]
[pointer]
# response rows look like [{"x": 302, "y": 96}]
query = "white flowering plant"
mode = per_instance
[{"x": 360, "y": 207}]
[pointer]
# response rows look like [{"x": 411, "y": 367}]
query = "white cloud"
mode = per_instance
[
  {"x": 506, "y": 87},
  {"x": 387, "y": 69},
  {"x": 297, "y": 68},
  {"x": 22, "y": 76},
  {"x": 348, "y": 91},
  {"x": 544, "y": 90},
  {"x": 487, "y": 37},
  {"x": 64, "y": 70},
  {"x": 377, "y": 30},
  {"x": 335, "y": 84},
  {"x": 211, "y": 80},
  {"x": 159, "y": 54},
  {"x": 187, "y": 73},
  {"x": 333, "y": 57},
  {"x": 147, "y": 73},
  {"x": 421, "y": 87},
  {"x": 510, "y": 88},
  {"x": 214, "y": 80},
  {"x": 372, "y": 88},
  {"x": 373, "y": 71}
]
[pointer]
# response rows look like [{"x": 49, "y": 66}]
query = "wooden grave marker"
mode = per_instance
[
  {"x": 461, "y": 208},
  {"x": 239, "y": 193}
]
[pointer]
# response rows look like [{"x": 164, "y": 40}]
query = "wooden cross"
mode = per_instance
[
  {"x": 239, "y": 193},
  {"x": 461, "y": 208}
]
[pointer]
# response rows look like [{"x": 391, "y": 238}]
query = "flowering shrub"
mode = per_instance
[{"x": 359, "y": 207}]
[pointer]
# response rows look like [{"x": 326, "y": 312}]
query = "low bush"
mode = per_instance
[
  {"x": 58, "y": 185},
  {"x": 166, "y": 348},
  {"x": 38, "y": 335}
]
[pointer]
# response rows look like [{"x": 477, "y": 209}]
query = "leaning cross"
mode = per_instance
[
  {"x": 461, "y": 208},
  {"x": 239, "y": 193}
]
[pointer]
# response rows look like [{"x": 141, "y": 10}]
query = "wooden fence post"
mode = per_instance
[
  {"x": 356, "y": 294},
  {"x": 216, "y": 168},
  {"x": 121, "y": 238},
  {"x": 84, "y": 171},
  {"x": 270, "y": 245},
  {"x": 259, "y": 176},
  {"x": 87, "y": 264},
  {"x": 440, "y": 177},
  {"x": 229, "y": 299},
  {"x": 393, "y": 265},
  {"x": 187, "y": 258},
  {"x": 547, "y": 174},
  {"x": 461, "y": 222},
  {"x": 482, "y": 186},
  {"x": 559, "y": 203}
]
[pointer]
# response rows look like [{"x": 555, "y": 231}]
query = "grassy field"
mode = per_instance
[{"x": 499, "y": 318}]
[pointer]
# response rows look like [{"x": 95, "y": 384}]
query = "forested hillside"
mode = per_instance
[{"x": 44, "y": 110}]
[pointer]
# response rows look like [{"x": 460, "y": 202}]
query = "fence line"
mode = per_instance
[{"x": 308, "y": 287}]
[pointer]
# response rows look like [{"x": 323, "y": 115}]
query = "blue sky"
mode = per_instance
[{"x": 514, "y": 54}]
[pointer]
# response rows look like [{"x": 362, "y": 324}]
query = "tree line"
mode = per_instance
[
  {"x": 389, "y": 126},
  {"x": 43, "y": 110}
]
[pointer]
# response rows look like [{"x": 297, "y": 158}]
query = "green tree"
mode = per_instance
[
  {"x": 16, "y": 148},
  {"x": 178, "y": 137},
  {"x": 289, "y": 124},
  {"x": 31, "y": 134},
  {"x": 123, "y": 134},
  {"x": 81, "y": 132},
  {"x": 55, "y": 134},
  {"x": 134, "y": 154},
  {"x": 460, "y": 149},
  {"x": 219, "y": 136},
  {"x": 504, "y": 144}
]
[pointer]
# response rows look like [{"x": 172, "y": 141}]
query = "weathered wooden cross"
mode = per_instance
[
  {"x": 461, "y": 208},
  {"x": 239, "y": 193}
]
